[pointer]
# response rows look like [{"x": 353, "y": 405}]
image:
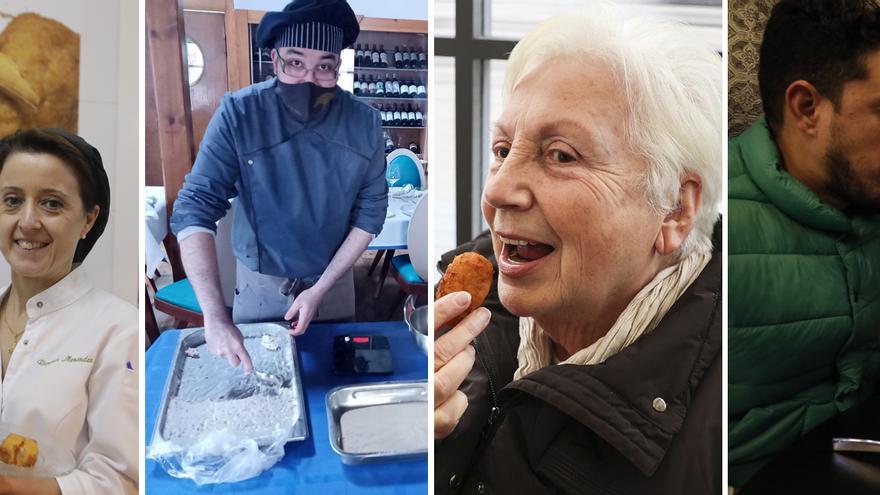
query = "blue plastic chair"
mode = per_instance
[{"x": 404, "y": 167}]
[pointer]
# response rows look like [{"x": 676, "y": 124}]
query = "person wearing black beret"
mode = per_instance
[{"x": 305, "y": 161}]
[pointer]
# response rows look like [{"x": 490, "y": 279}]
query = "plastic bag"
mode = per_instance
[
  {"x": 222, "y": 456},
  {"x": 220, "y": 425}
]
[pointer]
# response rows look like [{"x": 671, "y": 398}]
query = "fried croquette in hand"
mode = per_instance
[{"x": 470, "y": 272}]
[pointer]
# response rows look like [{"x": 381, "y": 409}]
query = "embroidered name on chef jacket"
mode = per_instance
[{"x": 66, "y": 359}]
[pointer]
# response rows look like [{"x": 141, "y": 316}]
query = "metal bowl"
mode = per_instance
[{"x": 417, "y": 321}]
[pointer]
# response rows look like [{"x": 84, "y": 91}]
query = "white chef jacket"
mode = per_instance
[{"x": 73, "y": 378}]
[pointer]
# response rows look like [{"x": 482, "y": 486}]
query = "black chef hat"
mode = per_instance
[{"x": 326, "y": 25}]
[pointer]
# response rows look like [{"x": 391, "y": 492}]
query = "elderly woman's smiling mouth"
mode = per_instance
[{"x": 520, "y": 255}]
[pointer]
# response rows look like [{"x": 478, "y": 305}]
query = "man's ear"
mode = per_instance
[
  {"x": 801, "y": 108},
  {"x": 678, "y": 224}
]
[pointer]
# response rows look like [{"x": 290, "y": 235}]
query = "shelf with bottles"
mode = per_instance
[
  {"x": 393, "y": 99},
  {"x": 368, "y": 57},
  {"x": 409, "y": 116},
  {"x": 401, "y": 142},
  {"x": 403, "y": 81},
  {"x": 371, "y": 69},
  {"x": 389, "y": 87}
]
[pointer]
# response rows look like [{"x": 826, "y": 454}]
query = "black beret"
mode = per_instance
[{"x": 333, "y": 12}]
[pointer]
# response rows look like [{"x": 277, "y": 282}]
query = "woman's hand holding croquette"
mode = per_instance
[{"x": 453, "y": 358}]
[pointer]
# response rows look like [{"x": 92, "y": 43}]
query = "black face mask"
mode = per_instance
[{"x": 306, "y": 101}]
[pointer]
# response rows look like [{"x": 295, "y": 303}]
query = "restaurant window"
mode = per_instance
[{"x": 195, "y": 61}]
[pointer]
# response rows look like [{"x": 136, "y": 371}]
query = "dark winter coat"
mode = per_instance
[{"x": 648, "y": 420}]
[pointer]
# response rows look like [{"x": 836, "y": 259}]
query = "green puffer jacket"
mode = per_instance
[{"x": 804, "y": 312}]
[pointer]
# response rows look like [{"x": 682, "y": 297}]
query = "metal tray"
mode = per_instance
[
  {"x": 196, "y": 337},
  {"x": 343, "y": 399}
]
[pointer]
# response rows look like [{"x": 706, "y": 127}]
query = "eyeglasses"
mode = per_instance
[{"x": 295, "y": 68}]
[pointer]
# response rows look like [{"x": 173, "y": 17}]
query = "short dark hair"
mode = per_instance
[
  {"x": 85, "y": 163},
  {"x": 824, "y": 42}
]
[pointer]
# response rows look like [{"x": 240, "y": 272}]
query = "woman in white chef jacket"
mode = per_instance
[{"x": 69, "y": 350}]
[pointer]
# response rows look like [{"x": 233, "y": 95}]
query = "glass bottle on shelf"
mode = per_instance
[
  {"x": 423, "y": 59},
  {"x": 414, "y": 147},
  {"x": 404, "y": 117},
  {"x": 420, "y": 122},
  {"x": 413, "y": 90},
  {"x": 375, "y": 56},
  {"x": 389, "y": 144},
  {"x": 367, "y": 61},
  {"x": 383, "y": 57},
  {"x": 396, "y": 114},
  {"x": 387, "y": 83},
  {"x": 395, "y": 87},
  {"x": 380, "y": 88},
  {"x": 356, "y": 87},
  {"x": 410, "y": 116},
  {"x": 398, "y": 57},
  {"x": 359, "y": 56},
  {"x": 405, "y": 58},
  {"x": 404, "y": 89},
  {"x": 421, "y": 92},
  {"x": 371, "y": 86}
]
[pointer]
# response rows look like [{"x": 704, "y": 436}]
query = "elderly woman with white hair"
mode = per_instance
[{"x": 602, "y": 205}]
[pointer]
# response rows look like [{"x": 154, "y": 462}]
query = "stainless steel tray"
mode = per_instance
[
  {"x": 343, "y": 399},
  {"x": 191, "y": 338}
]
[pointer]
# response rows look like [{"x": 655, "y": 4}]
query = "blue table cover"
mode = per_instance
[{"x": 310, "y": 466}]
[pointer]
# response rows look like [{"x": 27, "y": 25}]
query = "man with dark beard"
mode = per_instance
[{"x": 804, "y": 231}]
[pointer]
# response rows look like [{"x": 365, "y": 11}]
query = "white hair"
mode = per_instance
[{"x": 672, "y": 86}]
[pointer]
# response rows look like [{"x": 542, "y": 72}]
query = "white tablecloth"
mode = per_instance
[
  {"x": 155, "y": 226},
  {"x": 401, "y": 203}
]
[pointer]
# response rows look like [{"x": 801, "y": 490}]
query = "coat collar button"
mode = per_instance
[
  {"x": 659, "y": 404},
  {"x": 454, "y": 481}
]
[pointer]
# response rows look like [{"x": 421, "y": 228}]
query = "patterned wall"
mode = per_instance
[{"x": 746, "y": 21}]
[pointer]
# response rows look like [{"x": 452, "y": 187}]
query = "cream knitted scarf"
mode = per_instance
[{"x": 640, "y": 316}]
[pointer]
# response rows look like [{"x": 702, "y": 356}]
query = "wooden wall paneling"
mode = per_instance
[
  {"x": 238, "y": 65},
  {"x": 207, "y": 31},
  {"x": 153, "y": 166},
  {"x": 206, "y": 5},
  {"x": 165, "y": 37},
  {"x": 394, "y": 25}
]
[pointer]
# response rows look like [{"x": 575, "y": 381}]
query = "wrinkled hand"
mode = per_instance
[
  {"x": 29, "y": 486},
  {"x": 306, "y": 305},
  {"x": 226, "y": 341},
  {"x": 453, "y": 358}
]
